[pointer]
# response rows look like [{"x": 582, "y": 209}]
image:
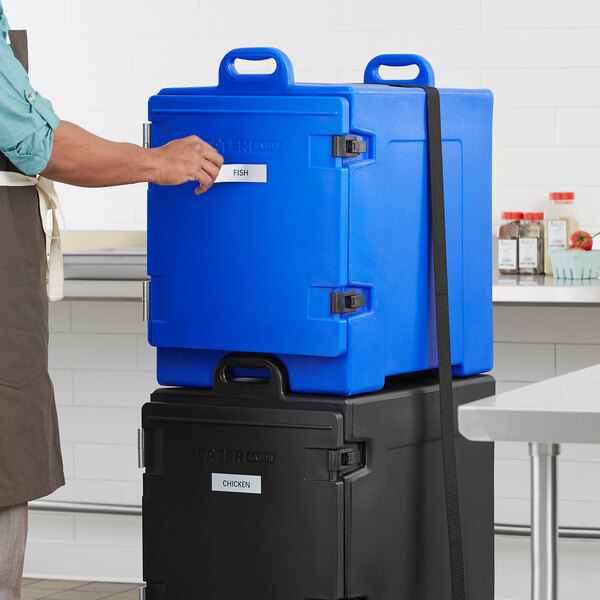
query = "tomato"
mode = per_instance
[{"x": 581, "y": 240}]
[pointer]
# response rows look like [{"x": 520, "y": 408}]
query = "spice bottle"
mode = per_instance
[
  {"x": 561, "y": 221},
  {"x": 508, "y": 237},
  {"x": 531, "y": 244}
]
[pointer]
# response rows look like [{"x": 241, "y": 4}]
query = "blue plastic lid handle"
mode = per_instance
[
  {"x": 425, "y": 76},
  {"x": 281, "y": 78}
]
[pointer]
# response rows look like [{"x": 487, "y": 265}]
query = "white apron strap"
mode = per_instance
[{"x": 48, "y": 203}]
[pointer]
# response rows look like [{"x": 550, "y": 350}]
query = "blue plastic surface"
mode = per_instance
[{"x": 250, "y": 267}]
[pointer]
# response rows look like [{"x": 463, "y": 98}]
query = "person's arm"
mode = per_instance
[{"x": 81, "y": 158}]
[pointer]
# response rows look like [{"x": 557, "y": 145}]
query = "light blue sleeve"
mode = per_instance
[{"x": 27, "y": 120}]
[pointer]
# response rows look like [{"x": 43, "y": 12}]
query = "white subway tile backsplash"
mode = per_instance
[
  {"x": 507, "y": 386},
  {"x": 68, "y": 458},
  {"x": 513, "y": 511},
  {"x": 146, "y": 355},
  {"x": 99, "y": 492},
  {"x": 118, "y": 125},
  {"x": 134, "y": 17},
  {"x": 513, "y": 14},
  {"x": 543, "y": 87},
  {"x": 570, "y": 357},
  {"x": 107, "y": 317},
  {"x": 578, "y": 126},
  {"x": 243, "y": 16},
  {"x": 41, "y": 18},
  {"x": 59, "y": 316},
  {"x": 353, "y": 15},
  {"x": 511, "y": 477},
  {"x": 50, "y": 526},
  {"x": 95, "y": 206},
  {"x": 477, "y": 48},
  {"x": 84, "y": 424},
  {"x": 559, "y": 166},
  {"x": 577, "y": 481},
  {"x": 511, "y": 450},
  {"x": 113, "y": 388},
  {"x": 577, "y": 47},
  {"x": 92, "y": 351},
  {"x": 62, "y": 380},
  {"x": 523, "y": 362},
  {"x": 546, "y": 324},
  {"x": 106, "y": 461},
  {"x": 523, "y": 127},
  {"x": 101, "y": 55},
  {"x": 117, "y": 530}
]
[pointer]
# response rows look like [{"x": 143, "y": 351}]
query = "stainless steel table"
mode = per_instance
[{"x": 563, "y": 409}]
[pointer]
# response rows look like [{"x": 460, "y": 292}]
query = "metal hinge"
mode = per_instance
[
  {"x": 147, "y": 135},
  {"x": 141, "y": 463},
  {"x": 142, "y": 593},
  {"x": 346, "y": 302},
  {"x": 345, "y": 459},
  {"x": 348, "y": 145},
  {"x": 146, "y": 300}
]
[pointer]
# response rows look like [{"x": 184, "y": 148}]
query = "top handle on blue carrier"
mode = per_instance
[
  {"x": 424, "y": 78},
  {"x": 231, "y": 79}
]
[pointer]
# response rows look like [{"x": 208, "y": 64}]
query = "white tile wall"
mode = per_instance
[{"x": 541, "y": 58}]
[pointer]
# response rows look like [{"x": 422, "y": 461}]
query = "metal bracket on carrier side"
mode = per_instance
[
  {"x": 346, "y": 302},
  {"x": 146, "y": 135},
  {"x": 348, "y": 145}
]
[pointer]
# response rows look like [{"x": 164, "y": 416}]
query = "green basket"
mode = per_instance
[{"x": 575, "y": 264}]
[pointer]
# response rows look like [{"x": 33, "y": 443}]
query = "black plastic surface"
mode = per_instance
[{"x": 376, "y": 532}]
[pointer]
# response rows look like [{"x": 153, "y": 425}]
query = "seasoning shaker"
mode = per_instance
[
  {"x": 508, "y": 237},
  {"x": 561, "y": 221},
  {"x": 531, "y": 244}
]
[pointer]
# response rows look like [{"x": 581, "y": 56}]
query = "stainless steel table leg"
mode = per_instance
[{"x": 544, "y": 524}]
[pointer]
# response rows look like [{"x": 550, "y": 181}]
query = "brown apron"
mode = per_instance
[{"x": 30, "y": 459}]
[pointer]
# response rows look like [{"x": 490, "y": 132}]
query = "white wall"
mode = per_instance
[
  {"x": 103, "y": 372},
  {"x": 100, "y": 61}
]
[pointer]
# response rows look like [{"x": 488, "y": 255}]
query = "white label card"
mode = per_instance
[
  {"x": 242, "y": 173},
  {"x": 240, "y": 484},
  {"x": 557, "y": 233},
  {"x": 507, "y": 254},
  {"x": 528, "y": 253}
]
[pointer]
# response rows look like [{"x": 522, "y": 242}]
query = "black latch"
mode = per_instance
[
  {"x": 348, "y": 145},
  {"x": 346, "y": 302},
  {"x": 345, "y": 459}
]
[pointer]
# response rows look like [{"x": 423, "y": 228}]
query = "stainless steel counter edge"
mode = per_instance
[
  {"x": 98, "y": 289},
  {"x": 544, "y": 290}
]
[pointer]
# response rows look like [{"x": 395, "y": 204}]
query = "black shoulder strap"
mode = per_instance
[{"x": 440, "y": 267}]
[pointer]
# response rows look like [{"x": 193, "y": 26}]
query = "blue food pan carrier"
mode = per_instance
[{"x": 315, "y": 245}]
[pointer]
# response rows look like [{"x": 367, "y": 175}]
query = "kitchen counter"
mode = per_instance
[
  {"x": 544, "y": 290},
  {"x": 94, "y": 289},
  {"x": 105, "y": 274},
  {"x": 117, "y": 273}
]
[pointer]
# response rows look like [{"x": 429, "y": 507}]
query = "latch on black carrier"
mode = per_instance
[{"x": 344, "y": 460}]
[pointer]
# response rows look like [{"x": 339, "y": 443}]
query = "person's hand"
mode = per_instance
[{"x": 187, "y": 159}]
